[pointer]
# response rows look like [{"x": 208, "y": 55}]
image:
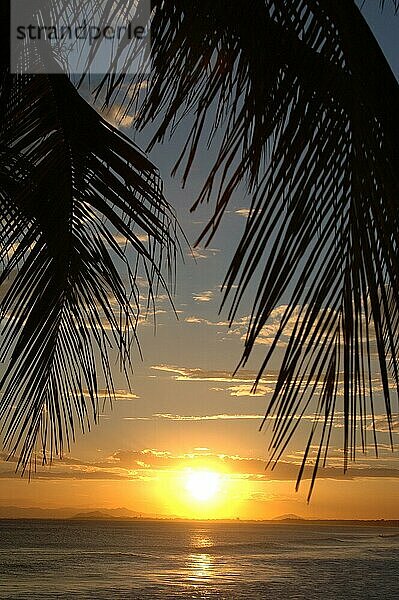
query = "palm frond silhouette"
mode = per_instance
[
  {"x": 306, "y": 103},
  {"x": 71, "y": 184}
]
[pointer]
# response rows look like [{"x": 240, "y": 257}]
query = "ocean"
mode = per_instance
[{"x": 201, "y": 560}]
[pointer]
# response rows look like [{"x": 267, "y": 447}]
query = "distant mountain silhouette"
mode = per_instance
[
  {"x": 121, "y": 514},
  {"x": 289, "y": 517},
  {"x": 17, "y": 512},
  {"x": 96, "y": 515}
]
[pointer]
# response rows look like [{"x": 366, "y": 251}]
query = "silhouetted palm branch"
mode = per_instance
[
  {"x": 296, "y": 87},
  {"x": 71, "y": 184},
  {"x": 308, "y": 109}
]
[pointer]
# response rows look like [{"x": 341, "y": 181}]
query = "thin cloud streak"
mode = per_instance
[
  {"x": 196, "y": 374},
  {"x": 206, "y": 296},
  {"x": 217, "y": 417},
  {"x": 198, "y": 253}
]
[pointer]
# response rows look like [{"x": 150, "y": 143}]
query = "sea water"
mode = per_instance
[{"x": 201, "y": 560}]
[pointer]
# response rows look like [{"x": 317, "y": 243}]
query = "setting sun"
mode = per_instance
[{"x": 203, "y": 485}]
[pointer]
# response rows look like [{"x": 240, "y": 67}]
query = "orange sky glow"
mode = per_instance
[{"x": 185, "y": 440}]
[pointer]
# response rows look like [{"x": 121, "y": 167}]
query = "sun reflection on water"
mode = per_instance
[
  {"x": 200, "y": 540},
  {"x": 200, "y": 567}
]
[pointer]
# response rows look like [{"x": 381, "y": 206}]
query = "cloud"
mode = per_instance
[
  {"x": 142, "y": 237},
  {"x": 117, "y": 117},
  {"x": 243, "y": 212},
  {"x": 203, "y": 296},
  {"x": 268, "y": 334},
  {"x": 247, "y": 390},
  {"x": 68, "y": 468},
  {"x": 141, "y": 464},
  {"x": 242, "y": 382},
  {"x": 7, "y": 284},
  {"x": 249, "y": 468},
  {"x": 270, "y": 330},
  {"x": 202, "y": 253},
  {"x": 382, "y": 424},
  {"x": 217, "y": 417},
  {"x": 196, "y": 320},
  {"x": 196, "y": 374},
  {"x": 201, "y": 321},
  {"x": 239, "y": 326},
  {"x": 122, "y": 241},
  {"x": 122, "y": 395},
  {"x": 119, "y": 395}
]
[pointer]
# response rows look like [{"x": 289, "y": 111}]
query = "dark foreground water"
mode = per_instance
[{"x": 153, "y": 560}]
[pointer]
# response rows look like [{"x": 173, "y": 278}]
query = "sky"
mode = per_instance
[{"x": 186, "y": 414}]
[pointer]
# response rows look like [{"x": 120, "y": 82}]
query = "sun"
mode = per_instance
[{"x": 203, "y": 485}]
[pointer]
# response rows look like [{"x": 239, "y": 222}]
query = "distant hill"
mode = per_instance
[
  {"x": 17, "y": 512},
  {"x": 121, "y": 514},
  {"x": 289, "y": 517},
  {"x": 117, "y": 513},
  {"x": 95, "y": 515}
]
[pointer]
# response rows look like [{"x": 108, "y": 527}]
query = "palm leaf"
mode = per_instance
[
  {"x": 70, "y": 184},
  {"x": 307, "y": 105}
]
